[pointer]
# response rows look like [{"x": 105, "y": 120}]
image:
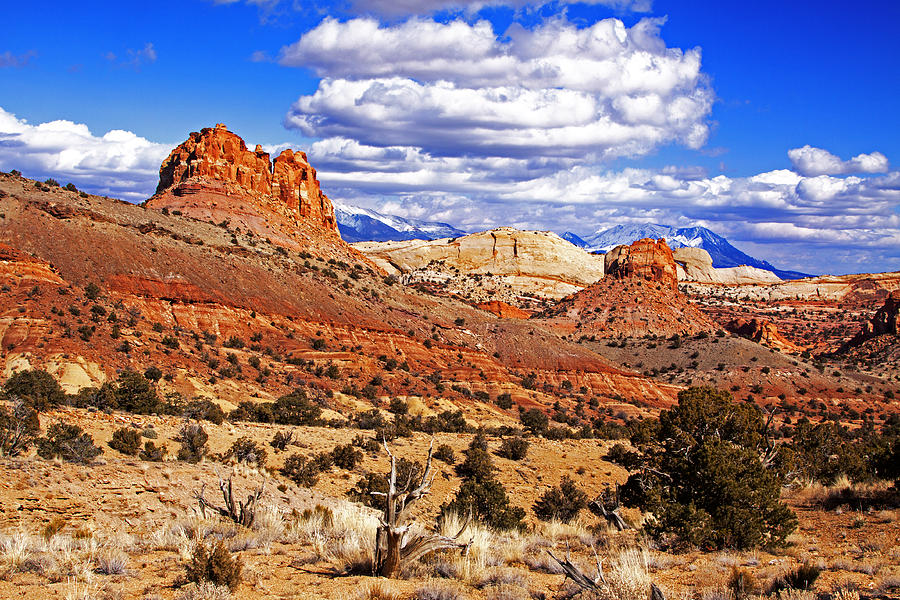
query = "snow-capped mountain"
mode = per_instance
[
  {"x": 722, "y": 252},
  {"x": 574, "y": 239},
  {"x": 365, "y": 225}
]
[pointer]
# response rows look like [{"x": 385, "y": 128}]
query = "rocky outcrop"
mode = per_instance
[
  {"x": 860, "y": 290},
  {"x": 885, "y": 319},
  {"x": 213, "y": 175},
  {"x": 647, "y": 259},
  {"x": 21, "y": 268},
  {"x": 883, "y": 322},
  {"x": 639, "y": 296},
  {"x": 762, "y": 332},
  {"x": 503, "y": 310},
  {"x": 501, "y": 264},
  {"x": 695, "y": 265}
]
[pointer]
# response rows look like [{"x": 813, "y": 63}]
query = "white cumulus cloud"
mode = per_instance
[
  {"x": 459, "y": 89},
  {"x": 118, "y": 163},
  {"x": 812, "y": 161}
]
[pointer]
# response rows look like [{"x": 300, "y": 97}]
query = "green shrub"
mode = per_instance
[
  {"x": 135, "y": 393},
  {"x": 513, "y": 448},
  {"x": 215, "y": 565},
  {"x": 301, "y": 471},
  {"x": 534, "y": 421},
  {"x": 103, "y": 398},
  {"x": 445, "y": 453},
  {"x": 296, "y": 409},
  {"x": 704, "y": 478},
  {"x": 234, "y": 342},
  {"x": 192, "y": 438},
  {"x": 126, "y": 440},
  {"x": 824, "y": 451},
  {"x": 245, "y": 450},
  {"x": 448, "y": 421},
  {"x": 153, "y": 373},
  {"x": 281, "y": 440},
  {"x": 489, "y": 504},
  {"x": 478, "y": 465},
  {"x": 19, "y": 426},
  {"x": 504, "y": 401},
  {"x": 69, "y": 443},
  {"x": 345, "y": 457},
  {"x": 562, "y": 503},
  {"x": 623, "y": 457},
  {"x": 152, "y": 453},
  {"x": 36, "y": 388},
  {"x": 204, "y": 409}
]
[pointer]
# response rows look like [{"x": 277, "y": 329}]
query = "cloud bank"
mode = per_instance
[
  {"x": 457, "y": 89},
  {"x": 118, "y": 163},
  {"x": 392, "y": 9},
  {"x": 816, "y": 161}
]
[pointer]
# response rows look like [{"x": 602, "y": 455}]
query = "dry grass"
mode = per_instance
[
  {"x": 344, "y": 532},
  {"x": 437, "y": 589},
  {"x": 865, "y": 567},
  {"x": 843, "y": 493},
  {"x": 112, "y": 562},
  {"x": 378, "y": 590},
  {"x": 204, "y": 591}
]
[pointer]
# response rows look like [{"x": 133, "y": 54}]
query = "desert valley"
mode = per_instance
[{"x": 211, "y": 394}]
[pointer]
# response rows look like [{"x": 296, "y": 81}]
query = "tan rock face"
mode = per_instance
[
  {"x": 695, "y": 264},
  {"x": 533, "y": 262},
  {"x": 644, "y": 259},
  {"x": 215, "y": 167}
]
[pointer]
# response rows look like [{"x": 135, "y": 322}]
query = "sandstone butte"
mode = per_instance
[
  {"x": 638, "y": 296},
  {"x": 213, "y": 176},
  {"x": 695, "y": 264},
  {"x": 532, "y": 262},
  {"x": 647, "y": 259}
]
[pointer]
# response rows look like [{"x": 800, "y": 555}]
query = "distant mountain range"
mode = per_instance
[
  {"x": 364, "y": 225},
  {"x": 722, "y": 252}
]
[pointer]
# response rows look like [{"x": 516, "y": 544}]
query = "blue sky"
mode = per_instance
[{"x": 772, "y": 123}]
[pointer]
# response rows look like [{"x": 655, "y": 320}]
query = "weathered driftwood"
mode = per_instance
[
  {"x": 395, "y": 547},
  {"x": 607, "y": 505},
  {"x": 242, "y": 513},
  {"x": 598, "y": 582}
]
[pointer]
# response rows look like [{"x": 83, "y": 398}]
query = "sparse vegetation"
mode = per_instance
[
  {"x": 126, "y": 440},
  {"x": 214, "y": 564},
  {"x": 68, "y": 442}
]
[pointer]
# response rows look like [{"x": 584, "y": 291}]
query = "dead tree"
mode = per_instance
[
  {"x": 597, "y": 583},
  {"x": 242, "y": 513},
  {"x": 395, "y": 547},
  {"x": 607, "y": 505}
]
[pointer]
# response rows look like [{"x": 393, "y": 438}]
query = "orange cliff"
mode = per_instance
[
  {"x": 213, "y": 176},
  {"x": 644, "y": 259}
]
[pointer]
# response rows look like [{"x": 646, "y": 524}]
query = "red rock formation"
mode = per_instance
[
  {"x": 215, "y": 166},
  {"x": 885, "y": 319},
  {"x": 645, "y": 259},
  {"x": 884, "y": 322},
  {"x": 763, "y": 332},
  {"x": 503, "y": 310}
]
